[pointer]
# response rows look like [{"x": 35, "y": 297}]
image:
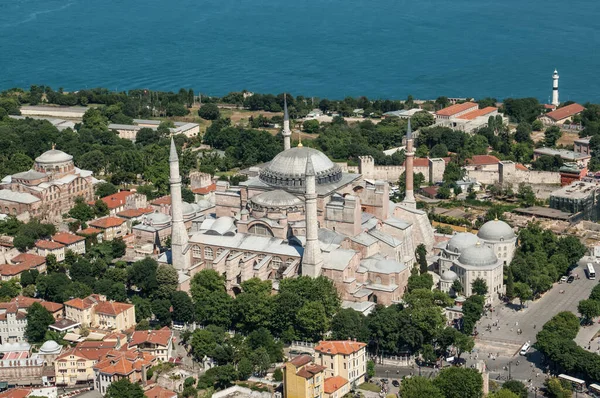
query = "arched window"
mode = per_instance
[
  {"x": 260, "y": 230},
  {"x": 219, "y": 251},
  {"x": 196, "y": 252},
  {"x": 289, "y": 262},
  {"x": 208, "y": 253},
  {"x": 276, "y": 262}
]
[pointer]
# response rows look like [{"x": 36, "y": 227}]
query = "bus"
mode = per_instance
[
  {"x": 591, "y": 272},
  {"x": 525, "y": 348},
  {"x": 578, "y": 384},
  {"x": 595, "y": 390}
]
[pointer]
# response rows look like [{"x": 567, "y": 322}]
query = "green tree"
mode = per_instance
[
  {"x": 537, "y": 125},
  {"x": 167, "y": 280},
  {"x": 38, "y": 320},
  {"x": 479, "y": 286},
  {"x": 421, "y": 254},
  {"x": 209, "y": 112},
  {"x": 278, "y": 375},
  {"x": 245, "y": 368},
  {"x": 522, "y": 109},
  {"x": 312, "y": 321},
  {"x": 162, "y": 310},
  {"x": 457, "y": 286},
  {"x": 516, "y": 387},
  {"x": 510, "y": 284},
  {"x": 458, "y": 382},
  {"x": 203, "y": 343},
  {"x": 349, "y": 324},
  {"x": 416, "y": 281},
  {"x": 419, "y": 387},
  {"x": 557, "y": 388},
  {"x": 589, "y": 309},
  {"x": 124, "y": 389},
  {"x": 523, "y": 132},
  {"x": 463, "y": 343},
  {"x": 523, "y": 292},
  {"x": 370, "y": 369},
  {"x": 81, "y": 210},
  {"x": 503, "y": 393},
  {"x": 310, "y": 126},
  {"x": 552, "y": 135},
  {"x": 183, "y": 308}
]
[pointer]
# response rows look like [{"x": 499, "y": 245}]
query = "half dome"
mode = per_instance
[
  {"x": 496, "y": 230},
  {"x": 276, "y": 199}
]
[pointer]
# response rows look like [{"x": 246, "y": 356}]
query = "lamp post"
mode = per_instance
[{"x": 509, "y": 370}]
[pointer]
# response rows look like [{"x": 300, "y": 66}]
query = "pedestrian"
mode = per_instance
[{"x": 534, "y": 326}]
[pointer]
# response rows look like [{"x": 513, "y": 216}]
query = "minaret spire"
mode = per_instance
[
  {"x": 409, "y": 197},
  {"x": 179, "y": 236},
  {"x": 312, "y": 261},
  {"x": 287, "y": 133}
]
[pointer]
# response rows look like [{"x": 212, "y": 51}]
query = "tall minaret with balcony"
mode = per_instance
[
  {"x": 179, "y": 236},
  {"x": 287, "y": 133}
]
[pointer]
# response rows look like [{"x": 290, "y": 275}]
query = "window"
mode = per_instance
[
  {"x": 196, "y": 253},
  {"x": 208, "y": 253},
  {"x": 260, "y": 230},
  {"x": 276, "y": 262}
]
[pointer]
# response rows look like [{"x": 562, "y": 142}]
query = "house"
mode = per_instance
[
  {"x": 111, "y": 227},
  {"x": 13, "y": 317},
  {"x": 456, "y": 110},
  {"x": 582, "y": 145},
  {"x": 345, "y": 358},
  {"x": 561, "y": 115},
  {"x": 482, "y": 162},
  {"x": 303, "y": 378},
  {"x": 95, "y": 311},
  {"x": 46, "y": 247},
  {"x": 121, "y": 364},
  {"x": 70, "y": 241},
  {"x": 156, "y": 342},
  {"x": 76, "y": 365},
  {"x": 134, "y": 215},
  {"x": 91, "y": 232},
  {"x": 336, "y": 387},
  {"x": 21, "y": 263},
  {"x": 466, "y": 117},
  {"x": 580, "y": 159},
  {"x": 115, "y": 202}
]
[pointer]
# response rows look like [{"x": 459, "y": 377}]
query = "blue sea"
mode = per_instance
[{"x": 321, "y": 48}]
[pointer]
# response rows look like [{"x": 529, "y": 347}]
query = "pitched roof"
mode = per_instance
[
  {"x": 94, "y": 354},
  {"x": 83, "y": 304},
  {"x": 15, "y": 393},
  {"x": 107, "y": 222},
  {"x": 48, "y": 245},
  {"x": 14, "y": 269},
  {"x": 29, "y": 258},
  {"x": 111, "y": 307},
  {"x": 89, "y": 231},
  {"x": 117, "y": 199},
  {"x": 163, "y": 200},
  {"x": 123, "y": 362},
  {"x": 67, "y": 238},
  {"x": 565, "y": 112},
  {"x": 132, "y": 213},
  {"x": 26, "y": 302},
  {"x": 339, "y": 347},
  {"x": 301, "y": 360},
  {"x": 332, "y": 384},
  {"x": 159, "y": 392},
  {"x": 160, "y": 337},
  {"x": 309, "y": 371},
  {"x": 480, "y": 160},
  {"x": 456, "y": 108},
  {"x": 520, "y": 166},
  {"x": 205, "y": 190},
  {"x": 478, "y": 112}
]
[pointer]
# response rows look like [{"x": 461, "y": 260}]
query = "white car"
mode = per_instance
[{"x": 563, "y": 279}]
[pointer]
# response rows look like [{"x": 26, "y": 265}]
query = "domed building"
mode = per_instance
[
  {"x": 49, "y": 189},
  {"x": 480, "y": 261},
  {"x": 500, "y": 237},
  {"x": 453, "y": 248}
]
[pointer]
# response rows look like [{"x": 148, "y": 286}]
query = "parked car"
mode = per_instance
[
  {"x": 395, "y": 383},
  {"x": 570, "y": 279},
  {"x": 563, "y": 279}
]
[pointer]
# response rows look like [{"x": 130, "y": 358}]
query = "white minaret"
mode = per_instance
[
  {"x": 179, "y": 236},
  {"x": 312, "y": 261},
  {"x": 409, "y": 196},
  {"x": 555, "y": 88},
  {"x": 287, "y": 133}
]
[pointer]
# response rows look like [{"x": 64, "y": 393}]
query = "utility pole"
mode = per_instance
[{"x": 509, "y": 370}]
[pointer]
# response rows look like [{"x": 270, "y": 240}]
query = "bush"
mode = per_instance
[
  {"x": 278, "y": 375},
  {"x": 209, "y": 112}
]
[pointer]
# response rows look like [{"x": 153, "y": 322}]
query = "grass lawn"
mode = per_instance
[{"x": 369, "y": 387}]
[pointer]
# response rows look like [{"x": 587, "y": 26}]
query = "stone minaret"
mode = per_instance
[
  {"x": 179, "y": 236},
  {"x": 287, "y": 133},
  {"x": 312, "y": 260},
  {"x": 409, "y": 197},
  {"x": 555, "y": 88}
]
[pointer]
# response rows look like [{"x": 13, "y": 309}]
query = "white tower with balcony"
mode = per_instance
[{"x": 555, "y": 88}]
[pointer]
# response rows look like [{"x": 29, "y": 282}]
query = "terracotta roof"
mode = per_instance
[
  {"x": 32, "y": 259},
  {"x": 123, "y": 362},
  {"x": 520, "y": 166},
  {"x": 478, "y": 112},
  {"x": 163, "y": 200},
  {"x": 332, "y": 384},
  {"x": 14, "y": 269},
  {"x": 111, "y": 307},
  {"x": 15, "y": 393},
  {"x": 549, "y": 106},
  {"x": 90, "y": 231},
  {"x": 48, "y": 245},
  {"x": 565, "y": 112},
  {"x": 67, "y": 238},
  {"x": 301, "y": 360},
  {"x": 480, "y": 160},
  {"x": 424, "y": 162},
  {"x": 104, "y": 344},
  {"x": 431, "y": 191},
  {"x": 309, "y": 371},
  {"x": 160, "y": 337},
  {"x": 339, "y": 347},
  {"x": 94, "y": 354},
  {"x": 159, "y": 392},
  {"x": 205, "y": 190},
  {"x": 26, "y": 302},
  {"x": 132, "y": 213},
  {"x": 83, "y": 304},
  {"x": 456, "y": 108},
  {"x": 117, "y": 199},
  {"x": 107, "y": 222}
]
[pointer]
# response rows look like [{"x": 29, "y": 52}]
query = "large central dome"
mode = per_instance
[{"x": 287, "y": 169}]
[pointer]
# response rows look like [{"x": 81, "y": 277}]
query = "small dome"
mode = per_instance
[
  {"x": 461, "y": 241},
  {"x": 288, "y": 169},
  {"x": 387, "y": 266},
  {"x": 204, "y": 204},
  {"x": 276, "y": 198},
  {"x": 53, "y": 156},
  {"x": 188, "y": 209},
  {"x": 157, "y": 218},
  {"x": 449, "y": 275},
  {"x": 496, "y": 230},
  {"x": 478, "y": 256},
  {"x": 49, "y": 346}
]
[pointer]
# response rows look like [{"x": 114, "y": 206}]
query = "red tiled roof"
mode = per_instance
[
  {"x": 67, "y": 238},
  {"x": 14, "y": 269},
  {"x": 90, "y": 231},
  {"x": 480, "y": 160},
  {"x": 431, "y": 191},
  {"x": 424, "y": 162},
  {"x": 549, "y": 106},
  {"x": 520, "y": 166},
  {"x": 309, "y": 371},
  {"x": 478, "y": 112},
  {"x": 159, "y": 392},
  {"x": 339, "y": 347},
  {"x": 117, "y": 199},
  {"x": 205, "y": 190},
  {"x": 33, "y": 259},
  {"x": 332, "y": 384},
  {"x": 83, "y": 304},
  {"x": 163, "y": 200},
  {"x": 456, "y": 108},
  {"x": 15, "y": 393},
  {"x": 94, "y": 354},
  {"x": 301, "y": 360},
  {"x": 132, "y": 213},
  {"x": 565, "y": 112},
  {"x": 48, "y": 245},
  {"x": 160, "y": 337},
  {"x": 107, "y": 222},
  {"x": 26, "y": 302},
  {"x": 111, "y": 307}
]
